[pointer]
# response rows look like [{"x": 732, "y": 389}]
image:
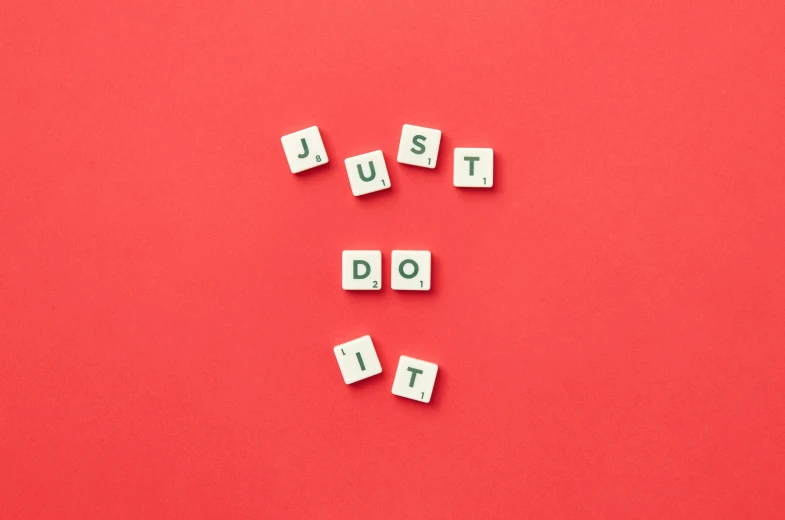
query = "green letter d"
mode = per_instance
[{"x": 356, "y": 271}]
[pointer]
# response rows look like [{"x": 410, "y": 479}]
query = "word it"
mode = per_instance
[{"x": 414, "y": 378}]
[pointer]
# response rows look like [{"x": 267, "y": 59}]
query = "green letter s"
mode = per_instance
[{"x": 421, "y": 146}]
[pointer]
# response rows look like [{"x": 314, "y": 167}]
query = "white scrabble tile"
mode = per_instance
[
  {"x": 414, "y": 379},
  {"x": 367, "y": 173},
  {"x": 411, "y": 270},
  {"x": 419, "y": 146},
  {"x": 304, "y": 149},
  {"x": 361, "y": 270},
  {"x": 357, "y": 360},
  {"x": 473, "y": 168}
]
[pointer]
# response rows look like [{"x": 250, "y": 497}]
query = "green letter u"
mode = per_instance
[{"x": 363, "y": 177}]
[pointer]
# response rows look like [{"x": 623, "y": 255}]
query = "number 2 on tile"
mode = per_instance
[{"x": 375, "y": 284}]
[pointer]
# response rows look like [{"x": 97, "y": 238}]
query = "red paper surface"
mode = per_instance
[{"x": 607, "y": 320}]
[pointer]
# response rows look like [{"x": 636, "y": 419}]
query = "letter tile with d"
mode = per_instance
[{"x": 361, "y": 270}]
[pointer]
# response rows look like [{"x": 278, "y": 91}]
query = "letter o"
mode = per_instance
[{"x": 414, "y": 273}]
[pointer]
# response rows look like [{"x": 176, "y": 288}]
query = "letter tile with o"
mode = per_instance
[{"x": 411, "y": 270}]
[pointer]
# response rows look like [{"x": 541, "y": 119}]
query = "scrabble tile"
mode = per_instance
[
  {"x": 414, "y": 379},
  {"x": 419, "y": 146},
  {"x": 411, "y": 270},
  {"x": 361, "y": 270},
  {"x": 473, "y": 168},
  {"x": 367, "y": 173},
  {"x": 357, "y": 360},
  {"x": 304, "y": 149}
]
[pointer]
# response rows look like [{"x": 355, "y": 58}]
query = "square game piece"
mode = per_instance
[
  {"x": 361, "y": 270},
  {"x": 414, "y": 379},
  {"x": 411, "y": 270},
  {"x": 304, "y": 149},
  {"x": 367, "y": 173},
  {"x": 357, "y": 360},
  {"x": 419, "y": 146},
  {"x": 473, "y": 168}
]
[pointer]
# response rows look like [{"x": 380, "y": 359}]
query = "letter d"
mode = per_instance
[{"x": 356, "y": 272}]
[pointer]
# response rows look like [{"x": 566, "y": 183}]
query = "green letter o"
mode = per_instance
[{"x": 414, "y": 273}]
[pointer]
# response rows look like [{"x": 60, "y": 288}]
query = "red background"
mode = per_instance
[{"x": 608, "y": 319}]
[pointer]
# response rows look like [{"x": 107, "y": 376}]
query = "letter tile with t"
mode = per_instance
[
  {"x": 473, "y": 168},
  {"x": 414, "y": 379},
  {"x": 361, "y": 270},
  {"x": 367, "y": 173},
  {"x": 304, "y": 149},
  {"x": 419, "y": 146},
  {"x": 411, "y": 270},
  {"x": 357, "y": 360}
]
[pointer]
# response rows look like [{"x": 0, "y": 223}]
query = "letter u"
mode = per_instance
[{"x": 363, "y": 177}]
